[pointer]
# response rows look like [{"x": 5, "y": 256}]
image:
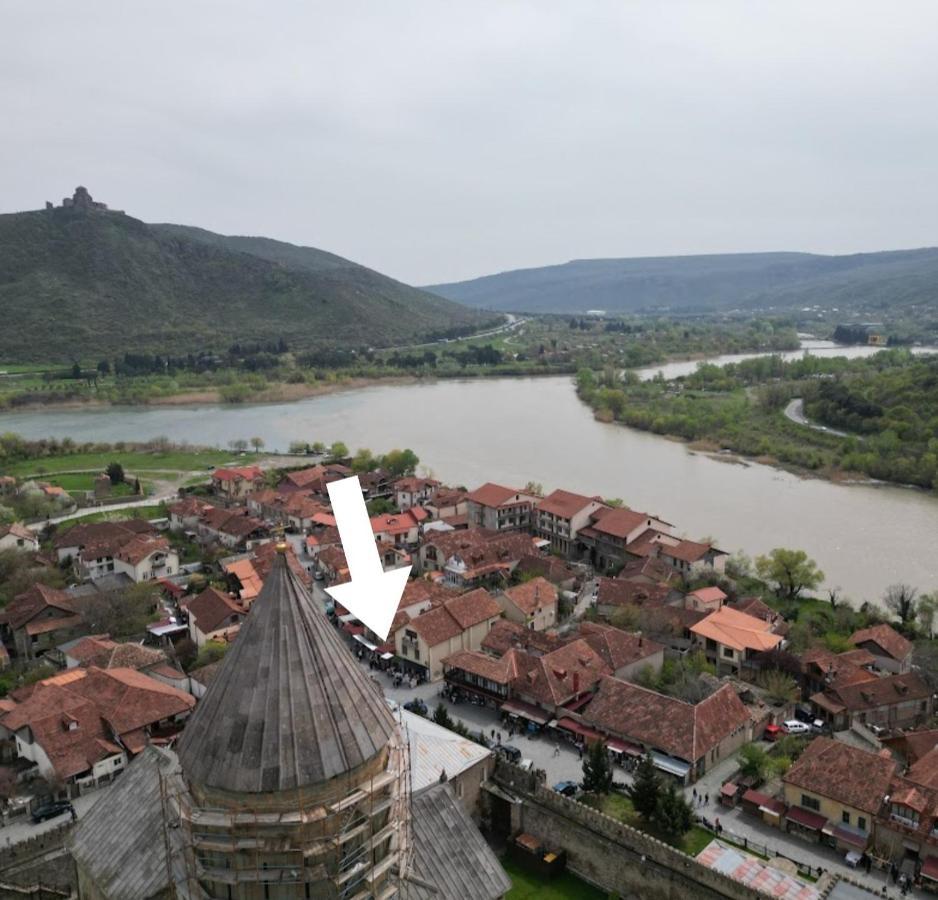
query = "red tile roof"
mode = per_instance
[
  {"x": 530, "y": 596},
  {"x": 829, "y": 768},
  {"x": 26, "y": 606},
  {"x": 212, "y": 609},
  {"x": 241, "y": 473},
  {"x": 619, "y": 523},
  {"x": 689, "y": 551},
  {"x": 885, "y": 637},
  {"x": 734, "y": 629},
  {"x": 495, "y": 495},
  {"x": 562, "y": 674},
  {"x": 618, "y": 648},
  {"x": 565, "y": 504}
]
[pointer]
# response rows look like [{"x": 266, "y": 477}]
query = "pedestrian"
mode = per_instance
[
  {"x": 556, "y": 749},
  {"x": 74, "y": 814},
  {"x": 719, "y": 827},
  {"x": 579, "y": 750},
  {"x": 707, "y": 799},
  {"x": 695, "y": 795}
]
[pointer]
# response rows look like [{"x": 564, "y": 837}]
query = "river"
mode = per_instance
[{"x": 535, "y": 429}]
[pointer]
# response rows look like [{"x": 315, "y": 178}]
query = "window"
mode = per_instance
[
  {"x": 810, "y": 802},
  {"x": 861, "y": 823},
  {"x": 728, "y": 652},
  {"x": 845, "y": 817}
]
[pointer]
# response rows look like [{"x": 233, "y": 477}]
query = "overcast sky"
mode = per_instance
[{"x": 438, "y": 141}]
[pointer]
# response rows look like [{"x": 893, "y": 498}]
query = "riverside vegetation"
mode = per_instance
[
  {"x": 888, "y": 404},
  {"x": 275, "y": 371}
]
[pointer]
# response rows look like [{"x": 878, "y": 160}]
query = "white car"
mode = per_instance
[{"x": 793, "y": 726}]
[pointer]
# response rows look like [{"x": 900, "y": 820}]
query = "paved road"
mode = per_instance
[
  {"x": 23, "y": 829},
  {"x": 795, "y": 412}
]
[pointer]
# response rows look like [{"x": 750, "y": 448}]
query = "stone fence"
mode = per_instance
[
  {"x": 22, "y": 851},
  {"x": 608, "y": 853}
]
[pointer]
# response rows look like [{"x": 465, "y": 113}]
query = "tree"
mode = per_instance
[
  {"x": 597, "y": 772},
  {"x": 364, "y": 461},
  {"x": 258, "y": 443},
  {"x": 927, "y": 607},
  {"x": 115, "y": 471},
  {"x": 535, "y": 488},
  {"x": 121, "y": 613},
  {"x": 900, "y": 600},
  {"x": 76, "y": 370},
  {"x": 380, "y": 506},
  {"x": 299, "y": 447},
  {"x": 442, "y": 717},
  {"x": 645, "y": 788},
  {"x": 753, "y": 761},
  {"x": 318, "y": 447},
  {"x": 790, "y": 572},
  {"x": 401, "y": 462},
  {"x": 104, "y": 367},
  {"x": 673, "y": 814},
  {"x": 210, "y": 651},
  {"x": 779, "y": 687},
  {"x": 338, "y": 451},
  {"x": 626, "y": 618},
  {"x": 138, "y": 489},
  {"x": 239, "y": 445}
]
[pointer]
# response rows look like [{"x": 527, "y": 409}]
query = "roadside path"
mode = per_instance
[{"x": 795, "y": 412}]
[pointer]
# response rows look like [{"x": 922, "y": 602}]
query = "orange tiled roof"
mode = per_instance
[{"x": 737, "y": 630}]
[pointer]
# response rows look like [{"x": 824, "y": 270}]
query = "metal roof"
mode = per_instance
[
  {"x": 289, "y": 705},
  {"x": 451, "y": 859},
  {"x": 119, "y": 842}
]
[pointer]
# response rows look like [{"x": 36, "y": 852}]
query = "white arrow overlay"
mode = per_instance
[{"x": 372, "y": 595}]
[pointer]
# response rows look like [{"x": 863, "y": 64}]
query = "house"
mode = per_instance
[
  {"x": 81, "y": 727},
  {"x": 559, "y": 517},
  {"x": 729, "y": 639},
  {"x": 488, "y": 679},
  {"x": 826, "y": 797},
  {"x": 459, "y": 623},
  {"x": 706, "y": 599},
  {"x": 437, "y": 754},
  {"x": 447, "y": 504},
  {"x": 821, "y": 669},
  {"x": 684, "y": 555},
  {"x": 213, "y": 616},
  {"x": 648, "y": 570},
  {"x": 246, "y": 573},
  {"x": 684, "y": 740},
  {"x": 532, "y": 603},
  {"x": 399, "y": 529},
  {"x": 615, "y": 594},
  {"x": 557, "y": 684},
  {"x": 412, "y": 491},
  {"x": 230, "y": 528},
  {"x": 101, "y": 652},
  {"x": 146, "y": 558},
  {"x": 890, "y": 702},
  {"x": 184, "y": 514},
  {"x": 233, "y": 485},
  {"x": 499, "y": 508},
  {"x": 96, "y": 543},
  {"x": 314, "y": 479},
  {"x": 39, "y": 619},
  {"x": 18, "y": 537},
  {"x": 907, "y": 826},
  {"x": 468, "y": 558},
  {"x": 611, "y": 532},
  {"x": 624, "y": 652},
  {"x": 890, "y": 650},
  {"x": 504, "y": 636},
  {"x": 557, "y": 571}
]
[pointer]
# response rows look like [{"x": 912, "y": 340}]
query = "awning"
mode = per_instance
[
  {"x": 930, "y": 868},
  {"x": 756, "y": 798},
  {"x": 577, "y": 728},
  {"x": 853, "y": 837},
  {"x": 367, "y": 643},
  {"x": 353, "y": 630},
  {"x": 348, "y": 617},
  {"x": 617, "y": 746},
  {"x": 729, "y": 789},
  {"x": 387, "y": 656},
  {"x": 525, "y": 711},
  {"x": 670, "y": 765},
  {"x": 806, "y": 818}
]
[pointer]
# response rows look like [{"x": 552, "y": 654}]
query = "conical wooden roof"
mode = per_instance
[{"x": 289, "y": 706}]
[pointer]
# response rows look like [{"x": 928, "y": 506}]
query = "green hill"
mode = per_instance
[
  {"x": 82, "y": 283},
  {"x": 862, "y": 284}
]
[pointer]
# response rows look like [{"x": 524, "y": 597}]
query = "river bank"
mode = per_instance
[{"x": 515, "y": 430}]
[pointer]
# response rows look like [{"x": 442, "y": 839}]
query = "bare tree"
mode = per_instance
[{"x": 900, "y": 600}]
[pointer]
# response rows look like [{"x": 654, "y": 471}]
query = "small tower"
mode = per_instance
[{"x": 293, "y": 772}]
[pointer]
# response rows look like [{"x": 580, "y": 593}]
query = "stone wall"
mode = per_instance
[{"x": 614, "y": 856}]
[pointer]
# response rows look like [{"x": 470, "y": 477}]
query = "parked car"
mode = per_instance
[
  {"x": 818, "y": 726},
  {"x": 772, "y": 732},
  {"x": 50, "y": 810},
  {"x": 510, "y": 752},
  {"x": 416, "y": 706},
  {"x": 526, "y": 764},
  {"x": 793, "y": 726},
  {"x": 567, "y": 788}
]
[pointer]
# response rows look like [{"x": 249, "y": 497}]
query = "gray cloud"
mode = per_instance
[{"x": 436, "y": 140}]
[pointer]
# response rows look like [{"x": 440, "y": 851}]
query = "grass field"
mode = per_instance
[
  {"x": 116, "y": 515},
  {"x": 525, "y": 886},
  {"x": 176, "y": 460}
]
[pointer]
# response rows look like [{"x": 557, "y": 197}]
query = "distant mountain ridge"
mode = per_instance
[
  {"x": 710, "y": 283},
  {"x": 78, "y": 281}
]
